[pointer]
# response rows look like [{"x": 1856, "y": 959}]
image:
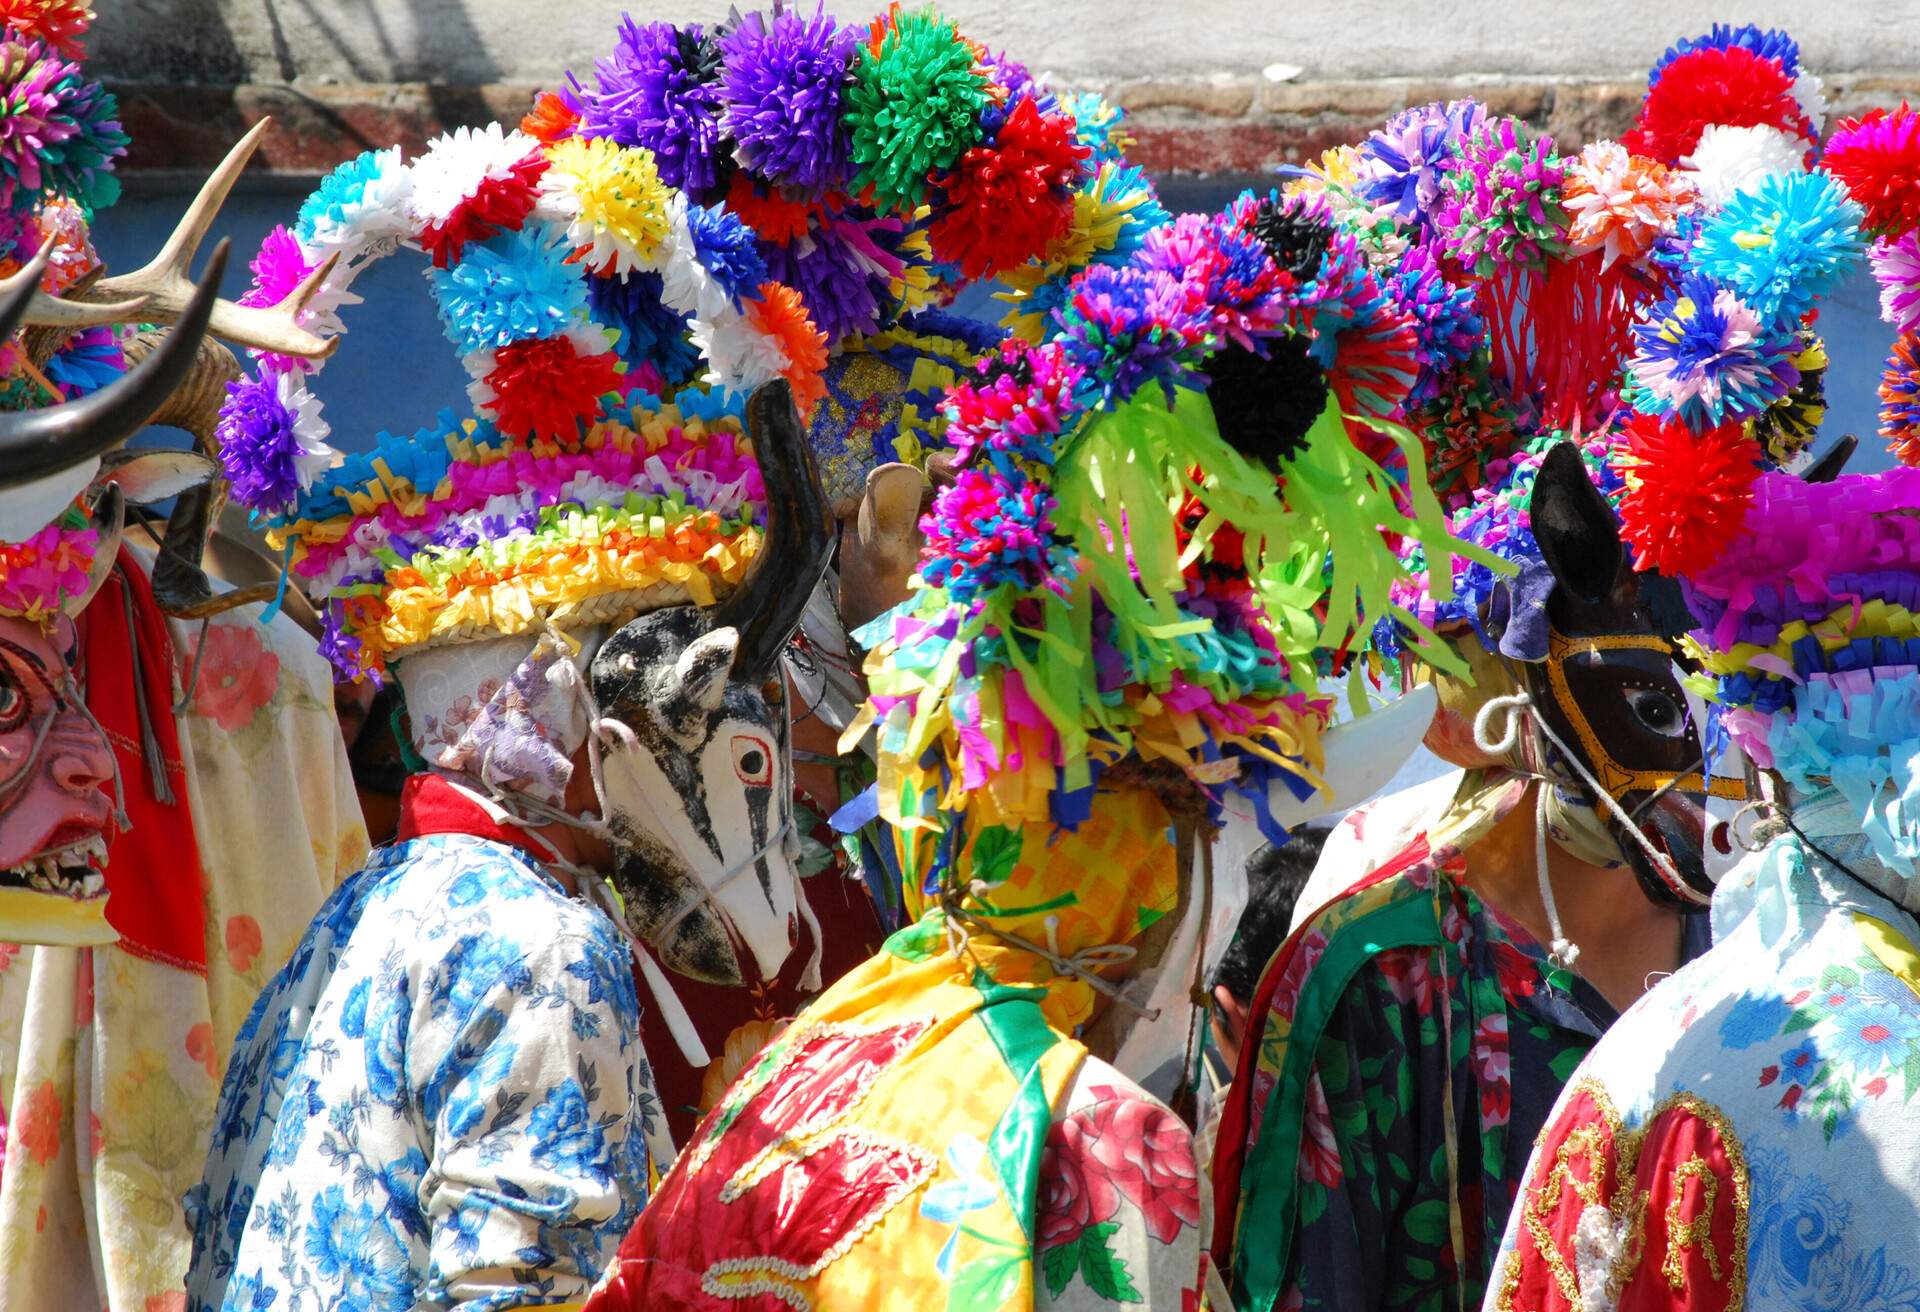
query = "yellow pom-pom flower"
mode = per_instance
[{"x": 613, "y": 200}]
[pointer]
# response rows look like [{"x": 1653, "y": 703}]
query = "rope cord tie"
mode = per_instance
[{"x": 1517, "y": 709}]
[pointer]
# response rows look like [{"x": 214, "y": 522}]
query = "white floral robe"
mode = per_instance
[
  {"x": 441, "y": 1101},
  {"x": 1123, "y": 1219},
  {"x": 110, "y": 1064}
]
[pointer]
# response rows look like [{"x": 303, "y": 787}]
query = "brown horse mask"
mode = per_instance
[{"x": 1610, "y": 688}]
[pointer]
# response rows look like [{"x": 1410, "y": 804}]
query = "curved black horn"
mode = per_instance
[
  {"x": 20, "y": 289},
  {"x": 35, "y": 443},
  {"x": 798, "y": 541},
  {"x": 1828, "y": 467}
]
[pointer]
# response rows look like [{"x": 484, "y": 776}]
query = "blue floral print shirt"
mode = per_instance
[{"x": 440, "y": 1101}]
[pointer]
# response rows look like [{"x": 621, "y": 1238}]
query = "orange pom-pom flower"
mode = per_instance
[
  {"x": 57, "y": 23},
  {"x": 781, "y": 315},
  {"x": 1686, "y": 494},
  {"x": 1900, "y": 400},
  {"x": 551, "y": 119}
]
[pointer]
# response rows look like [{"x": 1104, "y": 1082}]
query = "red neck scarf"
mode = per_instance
[
  {"x": 156, "y": 888},
  {"x": 431, "y": 805}
]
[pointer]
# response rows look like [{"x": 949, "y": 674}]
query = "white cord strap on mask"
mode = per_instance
[
  {"x": 1518, "y": 708},
  {"x": 679, "y": 1023},
  {"x": 598, "y": 893}
]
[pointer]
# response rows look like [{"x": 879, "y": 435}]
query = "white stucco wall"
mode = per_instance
[{"x": 1083, "y": 41}]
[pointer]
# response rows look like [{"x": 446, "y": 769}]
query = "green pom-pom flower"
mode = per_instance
[{"x": 913, "y": 109}]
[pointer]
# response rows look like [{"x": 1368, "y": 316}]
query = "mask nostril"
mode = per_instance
[{"x": 1722, "y": 838}]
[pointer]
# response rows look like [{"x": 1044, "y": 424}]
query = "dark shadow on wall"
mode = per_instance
[
  {"x": 165, "y": 41},
  {"x": 216, "y": 43}
]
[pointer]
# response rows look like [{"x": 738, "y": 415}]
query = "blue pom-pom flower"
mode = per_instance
[
  {"x": 651, "y": 332},
  {"x": 509, "y": 288},
  {"x": 1783, "y": 246},
  {"x": 728, "y": 250},
  {"x": 1764, "y": 42},
  {"x": 1706, "y": 356}
]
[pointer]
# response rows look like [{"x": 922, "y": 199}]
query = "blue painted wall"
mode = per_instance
[{"x": 394, "y": 370}]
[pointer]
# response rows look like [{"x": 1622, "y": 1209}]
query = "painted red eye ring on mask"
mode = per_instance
[{"x": 752, "y": 760}]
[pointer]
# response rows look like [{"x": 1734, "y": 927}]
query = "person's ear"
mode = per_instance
[{"x": 1231, "y": 1015}]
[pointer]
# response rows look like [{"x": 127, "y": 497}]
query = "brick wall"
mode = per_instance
[{"x": 1223, "y": 124}]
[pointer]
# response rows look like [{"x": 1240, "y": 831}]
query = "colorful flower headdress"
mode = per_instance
[
  {"x": 1809, "y": 643},
  {"x": 59, "y": 140},
  {"x": 1653, "y": 299},
  {"x": 1167, "y": 512},
  {"x": 714, "y": 210}
]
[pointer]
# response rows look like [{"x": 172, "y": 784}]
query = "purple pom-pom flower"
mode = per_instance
[
  {"x": 1127, "y": 327},
  {"x": 273, "y": 440},
  {"x": 1446, "y": 323},
  {"x": 1896, "y": 266},
  {"x": 842, "y": 274},
  {"x": 1403, "y": 162},
  {"x": 660, "y": 88},
  {"x": 783, "y": 84}
]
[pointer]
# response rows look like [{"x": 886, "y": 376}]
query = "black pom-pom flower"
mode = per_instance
[{"x": 1265, "y": 405}]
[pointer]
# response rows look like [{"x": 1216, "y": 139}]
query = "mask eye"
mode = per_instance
[
  {"x": 13, "y": 704},
  {"x": 1657, "y": 712},
  {"x": 752, "y": 760}
]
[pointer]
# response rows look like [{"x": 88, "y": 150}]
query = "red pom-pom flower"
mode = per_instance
[
  {"x": 1877, "y": 158},
  {"x": 57, "y": 23},
  {"x": 1005, "y": 203},
  {"x": 1686, "y": 494},
  {"x": 1731, "y": 87},
  {"x": 547, "y": 386},
  {"x": 772, "y": 216}
]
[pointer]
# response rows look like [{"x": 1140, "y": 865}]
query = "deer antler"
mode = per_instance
[
  {"x": 165, "y": 287},
  {"x": 51, "y": 311}
]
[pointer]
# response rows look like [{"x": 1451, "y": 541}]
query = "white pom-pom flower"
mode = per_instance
[
  {"x": 685, "y": 284},
  {"x": 1729, "y": 160},
  {"x": 1811, "y": 92},
  {"x": 739, "y": 356},
  {"x": 312, "y": 456}
]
